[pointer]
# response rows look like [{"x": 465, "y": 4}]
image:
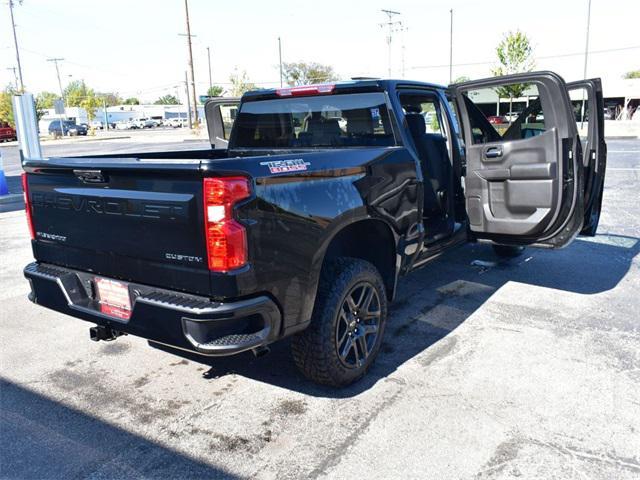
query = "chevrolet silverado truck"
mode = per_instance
[{"x": 310, "y": 204}]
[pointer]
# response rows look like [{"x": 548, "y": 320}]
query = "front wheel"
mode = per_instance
[{"x": 347, "y": 324}]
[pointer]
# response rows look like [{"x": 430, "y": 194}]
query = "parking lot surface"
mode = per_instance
[{"x": 525, "y": 368}]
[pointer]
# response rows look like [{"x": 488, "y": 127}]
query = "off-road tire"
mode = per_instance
[
  {"x": 315, "y": 350},
  {"x": 508, "y": 251}
]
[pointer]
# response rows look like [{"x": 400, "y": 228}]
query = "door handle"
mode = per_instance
[{"x": 493, "y": 152}]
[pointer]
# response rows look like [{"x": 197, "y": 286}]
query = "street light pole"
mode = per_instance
[
  {"x": 209, "y": 60},
  {"x": 451, "y": 47},
  {"x": 15, "y": 41},
  {"x": 193, "y": 80},
  {"x": 280, "y": 59},
  {"x": 186, "y": 87}
]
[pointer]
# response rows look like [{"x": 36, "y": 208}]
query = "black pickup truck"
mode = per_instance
[{"x": 301, "y": 226}]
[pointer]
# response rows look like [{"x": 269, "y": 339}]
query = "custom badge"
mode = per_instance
[{"x": 283, "y": 166}]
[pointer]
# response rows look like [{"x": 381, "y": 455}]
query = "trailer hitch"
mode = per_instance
[{"x": 106, "y": 333}]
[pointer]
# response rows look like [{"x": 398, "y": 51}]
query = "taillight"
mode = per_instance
[
  {"x": 27, "y": 204},
  {"x": 306, "y": 90},
  {"x": 226, "y": 238}
]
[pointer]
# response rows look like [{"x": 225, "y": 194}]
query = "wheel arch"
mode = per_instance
[{"x": 369, "y": 239}]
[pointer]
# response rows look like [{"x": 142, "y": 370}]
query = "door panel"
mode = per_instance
[
  {"x": 220, "y": 114},
  {"x": 523, "y": 183},
  {"x": 588, "y": 93}
]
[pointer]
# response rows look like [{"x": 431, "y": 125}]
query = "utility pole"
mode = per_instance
[
  {"x": 56, "y": 60},
  {"x": 451, "y": 48},
  {"x": 193, "y": 80},
  {"x": 209, "y": 60},
  {"x": 15, "y": 75},
  {"x": 186, "y": 87},
  {"x": 15, "y": 41},
  {"x": 586, "y": 57},
  {"x": 280, "y": 59},
  {"x": 392, "y": 26}
]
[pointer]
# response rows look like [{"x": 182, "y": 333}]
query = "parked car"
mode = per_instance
[
  {"x": 126, "y": 125},
  {"x": 7, "y": 132},
  {"x": 66, "y": 127},
  {"x": 497, "y": 120},
  {"x": 177, "y": 122},
  {"x": 303, "y": 232},
  {"x": 96, "y": 124},
  {"x": 511, "y": 116},
  {"x": 145, "y": 123}
]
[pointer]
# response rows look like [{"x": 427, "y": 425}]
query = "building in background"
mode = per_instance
[{"x": 118, "y": 114}]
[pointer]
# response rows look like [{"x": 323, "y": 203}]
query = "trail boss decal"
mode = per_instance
[{"x": 283, "y": 166}]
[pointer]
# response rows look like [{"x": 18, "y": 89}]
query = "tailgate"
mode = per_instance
[{"x": 135, "y": 220}]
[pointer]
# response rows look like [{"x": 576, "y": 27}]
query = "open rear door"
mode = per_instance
[
  {"x": 524, "y": 175},
  {"x": 588, "y": 105},
  {"x": 221, "y": 114}
]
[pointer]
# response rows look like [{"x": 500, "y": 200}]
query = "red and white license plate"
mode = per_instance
[{"x": 114, "y": 298}]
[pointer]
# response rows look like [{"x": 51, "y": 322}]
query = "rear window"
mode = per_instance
[{"x": 350, "y": 120}]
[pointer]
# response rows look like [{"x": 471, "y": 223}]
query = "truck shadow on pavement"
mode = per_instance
[
  {"x": 42, "y": 438},
  {"x": 432, "y": 302}
]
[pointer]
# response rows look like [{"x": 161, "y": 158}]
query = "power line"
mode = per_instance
[{"x": 543, "y": 57}]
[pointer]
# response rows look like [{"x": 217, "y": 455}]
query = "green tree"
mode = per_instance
[
  {"x": 631, "y": 74},
  {"x": 167, "y": 100},
  {"x": 78, "y": 94},
  {"x": 215, "y": 91},
  {"x": 46, "y": 99},
  {"x": 240, "y": 83},
  {"x": 110, "y": 98},
  {"x": 6, "y": 105},
  {"x": 131, "y": 101},
  {"x": 461, "y": 78},
  {"x": 514, "y": 54},
  {"x": 301, "y": 73}
]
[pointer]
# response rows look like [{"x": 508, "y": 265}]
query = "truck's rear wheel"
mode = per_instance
[{"x": 347, "y": 326}]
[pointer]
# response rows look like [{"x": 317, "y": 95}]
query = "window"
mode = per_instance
[
  {"x": 427, "y": 107},
  {"x": 228, "y": 113},
  {"x": 347, "y": 120},
  {"x": 508, "y": 112}
]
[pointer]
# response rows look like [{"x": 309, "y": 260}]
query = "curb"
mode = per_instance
[{"x": 11, "y": 198}]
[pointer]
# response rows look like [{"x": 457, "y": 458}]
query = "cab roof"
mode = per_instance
[{"x": 346, "y": 86}]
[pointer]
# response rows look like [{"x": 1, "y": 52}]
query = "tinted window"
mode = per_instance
[
  {"x": 508, "y": 112},
  {"x": 350, "y": 120}
]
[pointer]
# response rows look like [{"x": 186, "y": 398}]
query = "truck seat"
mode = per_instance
[{"x": 434, "y": 160}]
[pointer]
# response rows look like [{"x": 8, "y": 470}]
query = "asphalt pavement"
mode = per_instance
[{"x": 526, "y": 368}]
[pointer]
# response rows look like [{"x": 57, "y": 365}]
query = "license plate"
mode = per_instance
[{"x": 114, "y": 298}]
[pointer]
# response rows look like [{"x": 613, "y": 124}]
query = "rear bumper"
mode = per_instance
[{"x": 171, "y": 318}]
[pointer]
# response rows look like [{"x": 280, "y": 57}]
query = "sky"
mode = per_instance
[{"x": 134, "y": 48}]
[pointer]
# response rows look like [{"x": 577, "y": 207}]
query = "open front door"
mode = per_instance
[
  {"x": 524, "y": 175},
  {"x": 588, "y": 107},
  {"x": 221, "y": 114}
]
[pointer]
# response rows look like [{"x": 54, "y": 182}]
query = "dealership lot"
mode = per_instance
[{"x": 491, "y": 369}]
